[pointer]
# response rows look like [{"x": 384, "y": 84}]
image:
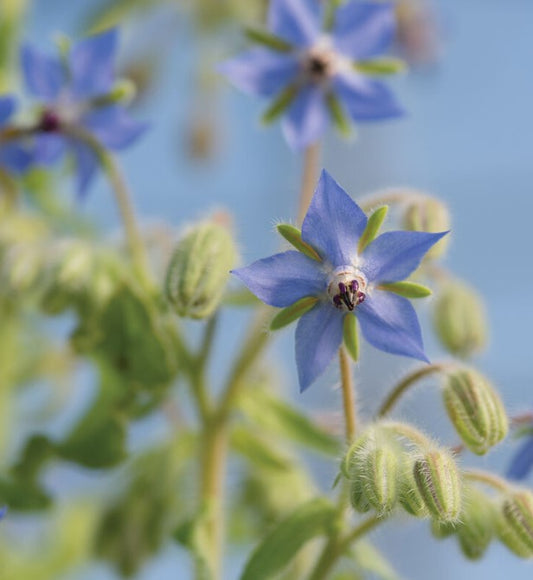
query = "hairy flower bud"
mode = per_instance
[
  {"x": 515, "y": 525},
  {"x": 427, "y": 214},
  {"x": 442, "y": 530},
  {"x": 380, "y": 475},
  {"x": 409, "y": 496},
  {"x": 199, "y": 269},
  {"x": 475, "y": 409},
  {"x": 459, "y": 320},
  {"x": 476, "y": 528},
  {"x": 437, "y": 479}
]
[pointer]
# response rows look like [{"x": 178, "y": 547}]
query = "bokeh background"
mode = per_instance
[{"x": 467, "y": 139}]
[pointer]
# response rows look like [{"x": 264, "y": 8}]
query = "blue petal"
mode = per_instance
[
  {"x": 334, "y": 223},
  {"x": 3, "y": 511},
  {"x": 86, "y": 166},
  {"x": 283, "y": 278},
  {"x": 261, "y": 72},
  {"x": 49, "y": 148},
  {"x": 389, "y": 323},
  {"x": 318, "y": 338},
  {"x": 92, "y": 64},
  {"x": 44, "y": 75},
  {"x": 113, "y": 127},
  {"x": 307, "y": 118},
  {"x": 297, "y": 21},
  {"x": 366, "y": 99},
  {"x": 364, "y": 29},
  {"x": 394, "y": 256},
  {"x": 15, "y": 158},
  {"x": 522, "y": 461},
  {"x": 7, "y": 108}
]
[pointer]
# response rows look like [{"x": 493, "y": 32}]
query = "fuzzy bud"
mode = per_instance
[
  {"x": 475, "y": 409},
  {"x": 409, "y": 496},
  {"x": 459, "y": 320},
  {"x": 199, "y": 269},
  {"x": 380, "y": 469},
  {"x": 476, "y": 529},
  {"x": 438, "y": 482},
  {"x": 515, "y": 525},
  {"x": 427, "y": 214}
]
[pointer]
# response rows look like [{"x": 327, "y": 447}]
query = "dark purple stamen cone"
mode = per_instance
[{"x": 49, "y": 122}]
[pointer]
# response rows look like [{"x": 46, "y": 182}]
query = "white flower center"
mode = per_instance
[
  {"x": 347, "y": 288},
  {"x": 321, "y": 62}
]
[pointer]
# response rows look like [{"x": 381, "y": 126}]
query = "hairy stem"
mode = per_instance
[
  {"x": 480, "y": 476},
  {"x": 309, "y": 177},
  {"x": 404, "y": 385},
  {"x": 348, "y": 396}
]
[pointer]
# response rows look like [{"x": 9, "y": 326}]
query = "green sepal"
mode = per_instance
[
  {"x": 294, "y": 236},
  {"x": 280, "y": 104},
  {"x": 407, "y": 289},
  {"x": 266, "y": 39},
  {"x": 281, "y": 545},
  {"x": 351, "y": 337},
  {"x": 375, "y": 221},
  {"x": 338, "y": 115},
  {"x": 380, "y": 66},
  {"x": 293, "y": 312}
]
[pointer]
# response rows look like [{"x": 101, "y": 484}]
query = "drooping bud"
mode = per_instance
[
  {"x": 427, "y": 214},
  {"x": 476, "y": 528},
  {"x": 438, "y": 482},
  {"x": 199, "y": 269},
  {"x": 380, "y": 469},
  {"x": 351, "y": 469},
  {"x": 442, "y": 530},
  {"x": 459, "y": 320},
  {"x": 475, "y": 409},
  {"x": 515, "y": 524},
  {"x": 409, "y": 496}
]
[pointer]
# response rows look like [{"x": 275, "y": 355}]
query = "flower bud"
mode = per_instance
[
  {"x": 21, "y": 267},
  {"x": 515, "y": 525},
  {"x": 199, "y": 269},
  {"x": 475, "y": 409},
  {"x": 476, "y": 528},
  {"x": 352, "y": 469},
  {"x": 437, "y": 479},
  {"x": 459, "y": 320},
  {"x": 409, "y": 496},
  {"x": 427, "y": 214},
  {"x": 442, "y": 530},
  {"x": 380, "y": 475}
]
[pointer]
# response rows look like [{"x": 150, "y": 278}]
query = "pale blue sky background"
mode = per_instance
[{"x": 468, "y": 139}]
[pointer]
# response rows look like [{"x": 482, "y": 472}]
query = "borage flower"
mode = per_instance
[
  {"x": 342, "y": 271},
  {"x": 318, "y": 71},
  {"x": 77, "y": 93},
  {"x": 522, "y": 463},
  {"x": 14, "y": 157}
]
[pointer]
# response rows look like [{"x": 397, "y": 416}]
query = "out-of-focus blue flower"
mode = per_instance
[
  {"x": 344, "y": 282},
  {"x": 14, "y": 157},
  {"x": 522, "y": 463},
  {"x": 3, "y": 511},
  {"x": 315, "y": 71},
  {"x": 75, "y": 92}
]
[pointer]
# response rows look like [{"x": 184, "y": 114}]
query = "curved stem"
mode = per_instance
[
  {"x": 309, "y": 177},
  {"x": 408, "y": 432},
  {"x": 390, "y": 196},
  {"x": 480, "y": 476},
  {"x": 348, "y": 396},
  {"x": 404, "y": 385},
  {"x": 334, "y": 550}
]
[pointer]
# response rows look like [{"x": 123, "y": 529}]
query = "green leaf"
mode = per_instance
[
  {"x": 294, "y": 236},
  {"x": 380, "y": 66},
  {"x": 270, "y": 40},
  {"x": 375, "y": 221},
  {"x": 258, "y": 450},
  {"x": 351, "y": 338},
  {"x": 281, "y": 545},
  {"x": 23, "y": 496},
  {"x": 370, "y": 559},
  {"x": 270, "y": 412},
  {"x": 338, "y": 115},
  {"x": 293, "y": 312},
  {"x": 280, "y": 104},
  {"x": 407, "y": 289}
]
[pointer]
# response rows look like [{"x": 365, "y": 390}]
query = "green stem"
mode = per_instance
[
  {"x": 480, "y": 476},
  {"x": 348, "y": 396},
  {"x": 335, "y": 548},
  {"x": 309, "y": 177},
  {"x": 406, "y": 384},
  {"x": 389, "y": 197}
]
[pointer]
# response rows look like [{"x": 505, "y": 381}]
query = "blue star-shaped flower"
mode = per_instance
[
  {"x": 311, "y": 66},
  {"x": 74, "y": 90},
  {"x": 344, "y": 282},
  {"x": 522, "y": 463},
  {"x": 13, "y": 155}
]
